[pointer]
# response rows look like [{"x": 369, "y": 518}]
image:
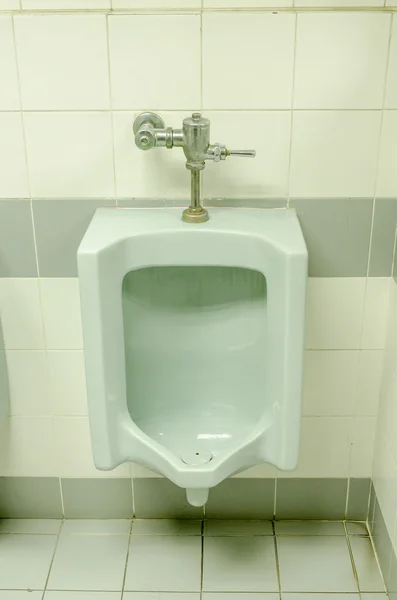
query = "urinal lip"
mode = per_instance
[
  {"x": 218, "y": 459},
  {"x": 278, "y": 227}
]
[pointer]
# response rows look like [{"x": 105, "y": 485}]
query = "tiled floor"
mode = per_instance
[{"x": 179, "y": 560}]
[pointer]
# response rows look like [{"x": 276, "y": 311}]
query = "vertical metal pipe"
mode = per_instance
[
  {"x": 195, "y": 201},
  {"x": 195, "y": 213}
]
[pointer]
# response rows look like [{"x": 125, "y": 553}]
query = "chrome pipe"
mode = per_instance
[{"x": 195, "y": 201}]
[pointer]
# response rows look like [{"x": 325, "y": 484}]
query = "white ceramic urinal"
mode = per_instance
[{"x": 193, "y": 340}]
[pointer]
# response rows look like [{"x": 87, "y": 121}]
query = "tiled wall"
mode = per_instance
[
  {"x": 48, "y": 430},
  {"x": 313, "y": 91},
  {"x": 383, "y": 510}
]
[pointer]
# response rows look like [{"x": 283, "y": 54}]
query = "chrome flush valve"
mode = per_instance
[{"x": 194, "y": 139}]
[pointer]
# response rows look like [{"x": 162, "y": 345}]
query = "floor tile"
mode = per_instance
[
  {"x": 164, "y": 563},
  {"x": 25, "y": 560},
  {"x": 219, "y": 527},
  {"x": 365, "y": 596},
  {"x": 309, "y": 528},
  {"x": 315, "y": 564},
  {"x": 81, "y": 596},
  {"x": 166, "y": 527},
  {"x": 25, "y": 595},
  {"x": 161, "y": 596},
  {"x": 357, "y": 528},
  {"x": 51, "y": 526},
  {"x": 369, "y": 576},
  {"x": 90, "y": 562},
  {"x": 97, "y": 526},
  {"x": 239, "y": 564}
]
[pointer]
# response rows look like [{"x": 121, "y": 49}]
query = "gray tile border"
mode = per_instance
[
  {"x": 141, "y": 203},
  {"x": 383, "y": 235},
  {"x": 382, "y": 542},
  {"x": 394, "y": 267},
  {"x": 60, "y": 226},
  {"x": 337, "y": 234},
  {"x": 97, "y": 498},
  {"x": 241, "y": 498},
  {"x": 383, "y": 545},
  {"x": 17, "y": 250},
  {"x": 265, "y": 203},
  {"x": 30, "y": 497},
  {"x": 392, "y": 581},
  {"x": 371, "y": 509},
  {"x": 158, "y": 497},
  {"x": 311, "y": 498},
  {"x": 357, "y": 502}
]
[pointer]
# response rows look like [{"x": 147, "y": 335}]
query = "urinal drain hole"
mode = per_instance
[{"x": 196, "y": 458}]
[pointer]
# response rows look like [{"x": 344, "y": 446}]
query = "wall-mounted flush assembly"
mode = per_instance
[{"x": 194, "y": 138}]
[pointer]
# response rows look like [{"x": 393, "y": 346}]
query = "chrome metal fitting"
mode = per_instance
[{"x": 194, "y": 138}]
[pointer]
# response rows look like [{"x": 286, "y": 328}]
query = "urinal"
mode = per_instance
[{"x": 194, "y": 337}]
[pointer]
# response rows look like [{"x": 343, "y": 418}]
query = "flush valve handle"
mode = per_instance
[
  {"x": 217, "y": 152},
  {"x": 242, "y": 153}
]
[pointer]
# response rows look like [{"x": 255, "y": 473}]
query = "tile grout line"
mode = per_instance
[
  {"x": 202, "y": 560},
  {"x": 292, "y": 112},
  {"x": 383, "y": 576},
  {"x": 175, "y": 11},
  {"x": 109, "y": 74},
  {"x": 209, "y": 109},
  {"x": 369, "y": 503},
  {"x": 277, "y": 558},
  {"x": 53, "y": 558},
  {"x": 61, "y": 492},
  {"x": 126, "y": 559},
  {"x": 201, "y": 57},
  {"x": 394, "y": 253},
  {"x": 348, "y": 484},
  {"x": 353, "y": 564},
  {"x": 378, "y": 154},
  {"x": 133, "y": 495},
  {"x": 25, "y": 149}
]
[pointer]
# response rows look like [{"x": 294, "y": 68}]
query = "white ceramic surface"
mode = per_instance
[{"x": 193, "y": 339}]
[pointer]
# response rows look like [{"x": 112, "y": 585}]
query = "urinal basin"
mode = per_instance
[
  {"x": 195, "y": 345},
  {"x": 194, "y": 338}
]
